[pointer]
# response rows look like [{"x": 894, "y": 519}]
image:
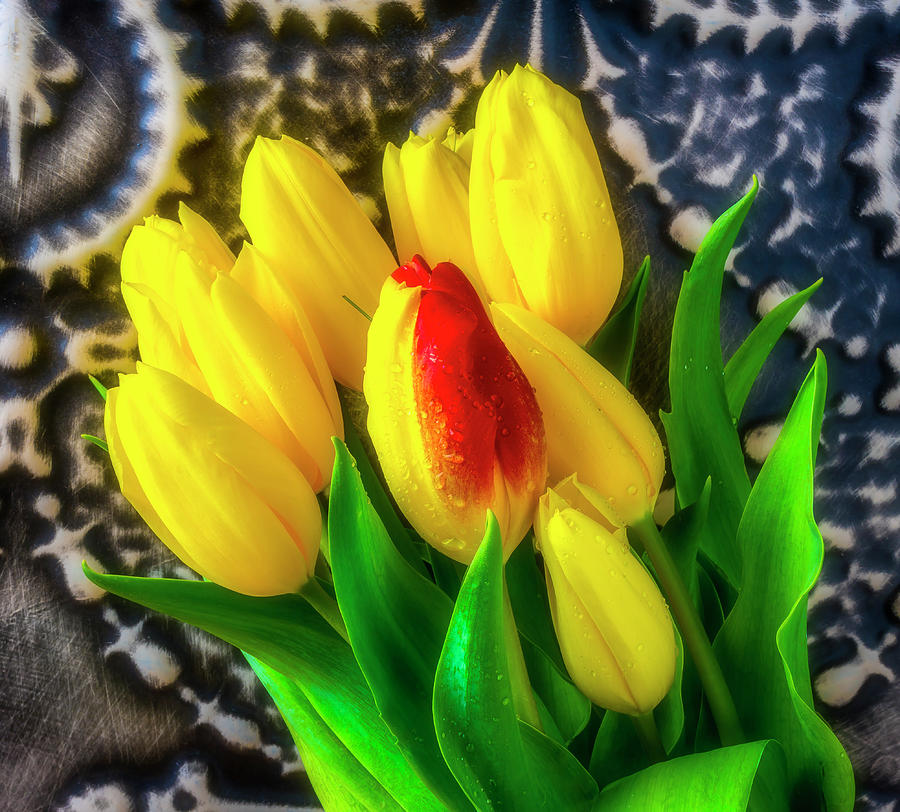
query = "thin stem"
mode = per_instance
[
  {"x": 523, "y": 696},
  {"x": 692, "y": 632},
  {"x": 325, "y": 605},
  {"x": 646, "y": 728}
]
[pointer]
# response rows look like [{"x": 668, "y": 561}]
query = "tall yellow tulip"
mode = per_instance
[
  {"x": 426, "y": 183},
  {"x": 310, "y": 229},
  {"x": 594, "y": 425},
  {"x": 221, "y": 497},
  {"x": 543, "y": 230},
  {"x": 614, "y": 630},
  {"x": 197, "y": 316}
]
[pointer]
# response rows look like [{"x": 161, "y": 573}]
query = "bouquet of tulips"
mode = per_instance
[{"x": 468, "y": 603}]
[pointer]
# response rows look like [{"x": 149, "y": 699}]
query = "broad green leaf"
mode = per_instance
[
  {"x": 448, "y": 574},
  {"x": 396, "y": 620},
  {"x": 287, "y": 634},
  {"x": 670, "y": 713},
  {"x": 614, "y": 345},
  {"x": 340, "y": 781},
  {"x": 762, "y": 645},
  {"x": 618, "y": 750},
  {"x": 500, "y": 762},
  {"x": 682, "y": 534},
  {"x": 716, "y": 781},
  {"x": 567, "y": 706},
  {"x": 530, "y": 604},
  {"x": 702, "y": 439},
  {"x": 397, "y": 531},
  {"x": 744, "y": 366}
]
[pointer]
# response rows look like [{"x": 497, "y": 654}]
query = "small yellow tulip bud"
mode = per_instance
[
  {"x": 613, "y": 627},
  {"x": 312, "y": 232},
  {"x": 426, "y": 183},
  {"x": 594, "y": 425},
  {"x": 226, "y": 501},
  {"x": 542, "y": 227}
]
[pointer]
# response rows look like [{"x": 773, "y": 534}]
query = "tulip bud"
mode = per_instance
[
  {"x": 594, "y": 425},
  {"x": 313, "y": 233},
  {"x": 426, "y": 183},
  {"x": 452, "y": 418},
  {"x": 613, "y": 627},
  {"x": 220, "y": 496},
  {"x": 542, "y": 227}
]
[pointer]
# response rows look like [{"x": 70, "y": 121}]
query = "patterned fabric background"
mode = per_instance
[{"x": 114, "y": 109}]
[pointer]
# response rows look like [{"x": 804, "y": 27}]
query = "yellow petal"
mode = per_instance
[
  {"x": 160, "y": 337},
  {"x": 461, "y": 143},
  {"x": 403, "y": 224},
  {"x": 131, "y": 487},
  {"x": 205, "y": 239},
  {"x": 494, "y": 267},
  {"x": 594, "y": 425},
  {"x": 314, "y": 234},
  {"x": 253, "y": 274},
  {"x": 148, "y": 257},
  {"x": 275, "y": 366}
]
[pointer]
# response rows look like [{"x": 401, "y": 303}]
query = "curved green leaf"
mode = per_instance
[
  {"x": 702, "y": 439},
  {"x": 396, "y": 620},
  {"x": 744, "y": 366},
  {"x": 614, "y": 345},
  {"x": 338, "y": 778},
  {"x": 762, "y": 645},
  {"x": 287, "y": 634},
  {"x": 717, "y": 781},
  {"x": 501, "y": 763}
]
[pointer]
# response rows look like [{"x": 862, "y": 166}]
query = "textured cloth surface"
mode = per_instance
[{"x": 114, "y": 109}]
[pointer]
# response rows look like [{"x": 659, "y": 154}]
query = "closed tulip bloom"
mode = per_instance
[
  {"x": 310, "y": 229},
  {"x": 426, "y": 183},
  {"x": 594, "y": 425},
  {"x": 148, "y": 279},
  {"x": 451, "y": 415},
  {"x": 542, "y": 228},
  {"x": 613, "y": 627},
  {"x": 255, "y": 371},
  {"x": 225, "y": 501}
]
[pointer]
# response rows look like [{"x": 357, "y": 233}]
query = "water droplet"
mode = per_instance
[
  {"x": 640, "y": 647},
  {"x": 504, "y": 432},
  {"x": 547, "y": 216},
  {"x": 505, "y": 701},
  {"x": 632, "y": 490},
  {"x": 531, "y": 164}
]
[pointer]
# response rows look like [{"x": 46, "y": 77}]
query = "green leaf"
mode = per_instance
[
  {"x": 338, "y": 778},
  {"x": 744, "y": 366},
  {"x": 96, "y": 441},
  {"x": 614, "y": 345},
  {"x": 762, "y": 645},
  {"x": 670, "y": 714},
  {"x": 98, "y": 386},
  {"x": 717, "y": 781},
  {"x": 287, "y": 634},
  {"x": 682, "y": 534},
  {"x": 397, "y": 531},
  {"x": 530, "y": 604},
  {"x": 618, "y": 750},
  {"x": 448, "y": 574},
  {"x": 396, "y": 620},
  {"x": 702, "y": 439},
  {"x": 569, "y": 709},
  {"x": 500, "y": 762}
]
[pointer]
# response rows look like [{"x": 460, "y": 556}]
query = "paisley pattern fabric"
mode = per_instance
[{"x": 114, "y": 109}]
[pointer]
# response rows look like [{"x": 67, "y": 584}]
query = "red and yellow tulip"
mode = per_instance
[{"x": 451, "y": 415}]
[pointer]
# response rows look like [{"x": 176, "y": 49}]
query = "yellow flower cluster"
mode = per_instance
[{"x": 479, "y": 390}]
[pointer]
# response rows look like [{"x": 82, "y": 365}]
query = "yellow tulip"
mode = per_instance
[
  {"x": 613, "y": 627},
  {"x": 452, "y": 418},
  {"x": 542, "y": 227},
  {"x": 221, "y": 497},
  {"x": 426, "y": 183},
  {"x": 310, "y": 229},
  {"x": 261, "y": 361},
  {"x": 594, "y": 425}
]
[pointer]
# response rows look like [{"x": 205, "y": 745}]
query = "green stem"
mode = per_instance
[
  {"x": 646, "y": 727},
  {"x": 692, "y": 632},
  {"x": 325, "y": 605},
  {"x": 523, "y": 696}
]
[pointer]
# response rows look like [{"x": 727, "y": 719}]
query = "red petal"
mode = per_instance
[{"x": 475, "y": 403}]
